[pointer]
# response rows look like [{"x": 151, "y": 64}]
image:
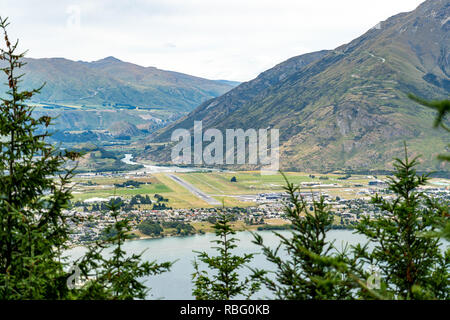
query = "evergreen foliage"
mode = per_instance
[
  {"x": 443, "y": 108},
  {"x": 411, "y": 266},
  {"x": 304, "y": 274},
  {"x": 116, "y": 275},
  {"x": 224, "y": 281},
  {"x": 33, "y": 192}
]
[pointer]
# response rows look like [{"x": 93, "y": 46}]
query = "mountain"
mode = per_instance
[
  {"x": 123, "y": 128},
  {"x": 347, "y": 108},
  {"x": 97, "y": 159},
  {"x": 112, "y": 82},
  {"x": 222, "y": 108}
]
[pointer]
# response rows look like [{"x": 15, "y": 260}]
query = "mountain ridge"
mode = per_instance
[
  {"x": 348, "y": 108},
  {"x": 113, "y": 82}
]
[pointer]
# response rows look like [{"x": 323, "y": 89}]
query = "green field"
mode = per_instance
[
  {"x": 219, "y": 186},
  {"x": 178, "y": 196},
  {"x": 253, "y": 182},
  {"x": 106, "y": 191}
]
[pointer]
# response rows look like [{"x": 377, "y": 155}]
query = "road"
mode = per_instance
[{"x": 197, "y": 192}]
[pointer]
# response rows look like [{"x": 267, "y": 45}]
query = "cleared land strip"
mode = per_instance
[
  {"x": 204, "y": 181},
  {"x": 194, "y": 190}
]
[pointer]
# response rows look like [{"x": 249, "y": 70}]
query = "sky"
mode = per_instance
[{"x": 214, "y": 39}]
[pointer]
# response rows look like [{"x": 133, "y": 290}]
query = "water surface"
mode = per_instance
[{"x": 177, "y": 284}]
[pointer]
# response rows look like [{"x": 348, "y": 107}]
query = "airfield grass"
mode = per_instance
[
  {"x": 216, "y": 184},
  {"x": 156, "y": 184},
  {"x": 180, "y": 197},
  {"x": 183, "y": 198},
  {"x": 150, "y": 189},
  {"x": 249, "y": 182}
]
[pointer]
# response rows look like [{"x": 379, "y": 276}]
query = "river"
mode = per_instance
[
  {"x": 176, "y": 284},
  {"x": 157, "y": 169}
]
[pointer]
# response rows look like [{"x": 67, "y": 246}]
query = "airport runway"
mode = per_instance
[{"x": 194, "y": 190}]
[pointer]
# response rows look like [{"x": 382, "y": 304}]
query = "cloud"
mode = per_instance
[{"x": 216, "y": 39}]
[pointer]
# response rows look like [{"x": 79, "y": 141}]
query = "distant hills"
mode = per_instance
[
  {"x": 110, "y": 99},
  {"x": 97, "y": 159},
  {"x": 114, "y": 83},
  {"x": 347, "y": 108}
]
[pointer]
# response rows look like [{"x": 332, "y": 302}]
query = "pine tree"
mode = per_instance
[
  {"x": 225, "y": 282},
  {"x": 306, "y": 272},
  {"x": 33, "y": 193},
  {"x": 443, "y": 108},
  {"x": 411, "y": 266}
]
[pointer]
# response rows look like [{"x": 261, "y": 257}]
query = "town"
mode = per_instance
[{"x": 152, "y": 216}]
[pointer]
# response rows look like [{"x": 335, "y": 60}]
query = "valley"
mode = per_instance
[
  {"x": 342, "y": 116},
  {"x": 193, "y": 197},
  {"x": 322, "y": 174},
  {"x": 245, "y": 191}
]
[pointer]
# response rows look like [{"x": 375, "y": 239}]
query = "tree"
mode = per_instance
[
  {"x": 149, "y": 227},
  {"x": 304, "y": 273},
  {"x": 443, "y": 108},
  {"x": 33, "y": 193},
  {"x": 134, "y": 201},
  {"x": 411, "y": 266},
  {"x": 116, "y": 276},
  {"x": 225, "y": 283}
]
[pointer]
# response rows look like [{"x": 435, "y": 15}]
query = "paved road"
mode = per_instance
[{"x": 194, "y": 190}]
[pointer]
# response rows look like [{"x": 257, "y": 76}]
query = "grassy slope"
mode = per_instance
[
  {"x": 111, "y": 81},
  {"x": 349, "y": 108}
]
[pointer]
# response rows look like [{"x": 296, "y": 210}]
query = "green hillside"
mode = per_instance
[
  {"x": 347, "y": 108},
  {"x": 97, "y": 159},
  {"x": 115, "y": 83},
  {"x": 108, "y": 99}
]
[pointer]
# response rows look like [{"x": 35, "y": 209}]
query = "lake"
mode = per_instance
[{"x": 176, "y": 284}]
